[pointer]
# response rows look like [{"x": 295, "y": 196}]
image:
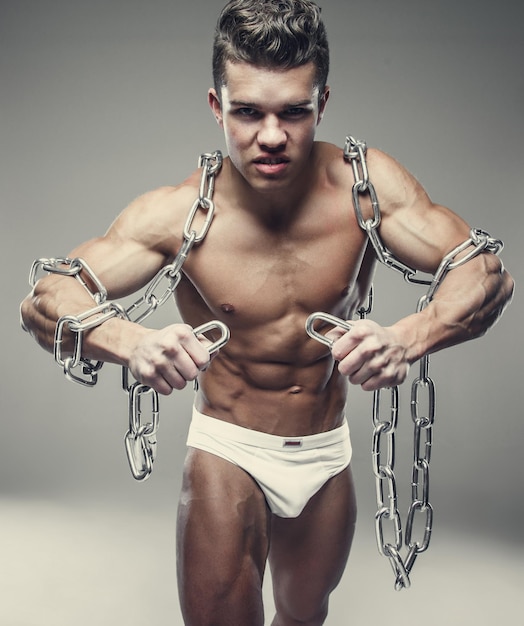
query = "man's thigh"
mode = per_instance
[
  {"x": 309, "y": 553},
  {"x": 222, "y": 542}
]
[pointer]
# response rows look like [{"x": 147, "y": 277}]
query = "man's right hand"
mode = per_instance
[{"x": 168, "y": 358}]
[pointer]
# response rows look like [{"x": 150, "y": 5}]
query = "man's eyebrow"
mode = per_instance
[
  {"x": 255, "y": 105},
  {"x": 241, "y": 103},
  {"x": 302, "y": 103}
]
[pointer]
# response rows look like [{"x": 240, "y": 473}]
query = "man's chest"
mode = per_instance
[{"x": 265, "y": 275}]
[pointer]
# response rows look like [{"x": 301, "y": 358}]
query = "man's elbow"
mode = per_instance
[
  {"x": 26, "y": 313},
  {"x": 31, "y": 322},
  {"x": 503, "y": 288},
  {"x": 506, "y": 287}
]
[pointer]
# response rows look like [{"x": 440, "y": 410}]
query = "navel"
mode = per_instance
[{"x": 296, "y": 389}]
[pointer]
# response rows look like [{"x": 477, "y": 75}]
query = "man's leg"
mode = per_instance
[
  {"x": 222, "y": 543},
  {"x": 308, "y": 554}
]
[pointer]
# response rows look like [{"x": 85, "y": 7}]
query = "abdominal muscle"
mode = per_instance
[{"x": 287, "y": 388}]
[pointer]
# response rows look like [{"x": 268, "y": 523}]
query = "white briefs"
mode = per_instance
[{"x": 289, "y": 470}]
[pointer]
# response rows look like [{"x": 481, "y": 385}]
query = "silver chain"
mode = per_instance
[
  {"x": 388, "y": 525},
  {"x": 384, "y": 428},
  {"x": 355, "y": 153},
  {"x": 140, "y": 439},
  {"x": 171, "y": 274}
]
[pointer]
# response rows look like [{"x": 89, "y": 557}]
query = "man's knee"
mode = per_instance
[
  {"x": 307, "y": 609},
  {"x": 300, "y": 615}
]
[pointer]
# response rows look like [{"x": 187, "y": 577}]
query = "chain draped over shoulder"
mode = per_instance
[{"x": 384, "y": 428}]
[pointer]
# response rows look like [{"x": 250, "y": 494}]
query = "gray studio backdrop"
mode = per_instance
[{"x": 101, "y": 101}]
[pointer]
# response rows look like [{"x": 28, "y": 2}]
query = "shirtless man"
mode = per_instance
[{"x": 267, "y": 474}]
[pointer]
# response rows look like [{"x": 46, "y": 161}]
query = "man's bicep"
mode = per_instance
[
  {"x": 122, "y": 266},
  {"x": 418, "y": 231},
  {"x": 421, "y": 236},
  {"x": 134, "y": 248}
]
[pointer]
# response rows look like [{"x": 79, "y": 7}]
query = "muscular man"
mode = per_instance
[{"x": 267, "y": 474}]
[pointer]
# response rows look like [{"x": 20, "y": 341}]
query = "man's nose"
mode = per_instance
[{"x": 271, "y": 134}]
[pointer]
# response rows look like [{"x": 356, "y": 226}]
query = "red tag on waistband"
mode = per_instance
[{"x": 292, "y": 443}]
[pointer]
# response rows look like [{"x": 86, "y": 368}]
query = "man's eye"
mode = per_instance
[
  {"x": 296, "y": 112},
  {"x": 246, "y": 112}
]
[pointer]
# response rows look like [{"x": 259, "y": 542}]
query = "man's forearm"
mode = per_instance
[
  {"x": 56, "y": 296},
  {"x": 469, "y": 301}
]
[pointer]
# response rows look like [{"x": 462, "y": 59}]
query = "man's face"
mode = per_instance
[{"x": 269, "y": 119}]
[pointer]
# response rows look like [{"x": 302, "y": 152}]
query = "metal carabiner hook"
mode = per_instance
[
  {"x": 324, "y": 317},
  {"x": 214, "y": 324}
]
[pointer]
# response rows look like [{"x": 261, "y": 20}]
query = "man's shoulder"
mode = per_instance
[
  {"x": 333, "y": 157},
  {"x": 166, "y": 202},
  {"x": 160, "y": 210},
  {"x": 381, "y": 165},
  {"x": 174, "y": 195},
  {"x": 393, "y": 183}
]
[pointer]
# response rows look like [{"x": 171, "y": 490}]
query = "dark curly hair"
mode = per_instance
[{"x": 271, "y": 33}]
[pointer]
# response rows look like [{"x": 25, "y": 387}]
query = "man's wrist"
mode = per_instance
[{"x": 113, "y": 341}]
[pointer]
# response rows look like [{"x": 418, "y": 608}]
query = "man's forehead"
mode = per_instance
[{"x": 245, "y": 82}]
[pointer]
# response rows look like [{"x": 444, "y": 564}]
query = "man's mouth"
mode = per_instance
[
  {"x": 271, "y": 161},
  {"x": 271, "y": 166}
]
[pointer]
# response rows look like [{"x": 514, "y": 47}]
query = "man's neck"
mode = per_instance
[{"x": 275, "y": 208}]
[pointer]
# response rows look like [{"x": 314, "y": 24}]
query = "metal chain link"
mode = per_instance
[
  {"x": 388, "y": 525},
  {"x": 82, "y": 272},
  {"x": 79, "y": 324},
  {"x": 140, "y": 439},
  {"x": 171, "y": 274},
  {"x": 355, "y": 153},
  {"x": 70, "y": 267},
  {"x": 384, "y": 428}
]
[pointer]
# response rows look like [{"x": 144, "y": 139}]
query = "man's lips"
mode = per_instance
[
  {"x": 271, "y": 164},
  {"x": 271, "y": 160}
]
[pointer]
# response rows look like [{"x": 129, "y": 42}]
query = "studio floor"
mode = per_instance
[{"x": 67, "y": 563}]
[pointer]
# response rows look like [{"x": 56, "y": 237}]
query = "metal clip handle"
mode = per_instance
[
  {"x": 214, "y": 324},
  {"x": 324, "y": 317}
]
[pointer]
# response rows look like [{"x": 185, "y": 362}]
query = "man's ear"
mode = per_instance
[
  {"x": 215, "y": 105},
  {"x": 322, "y": 105}
]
